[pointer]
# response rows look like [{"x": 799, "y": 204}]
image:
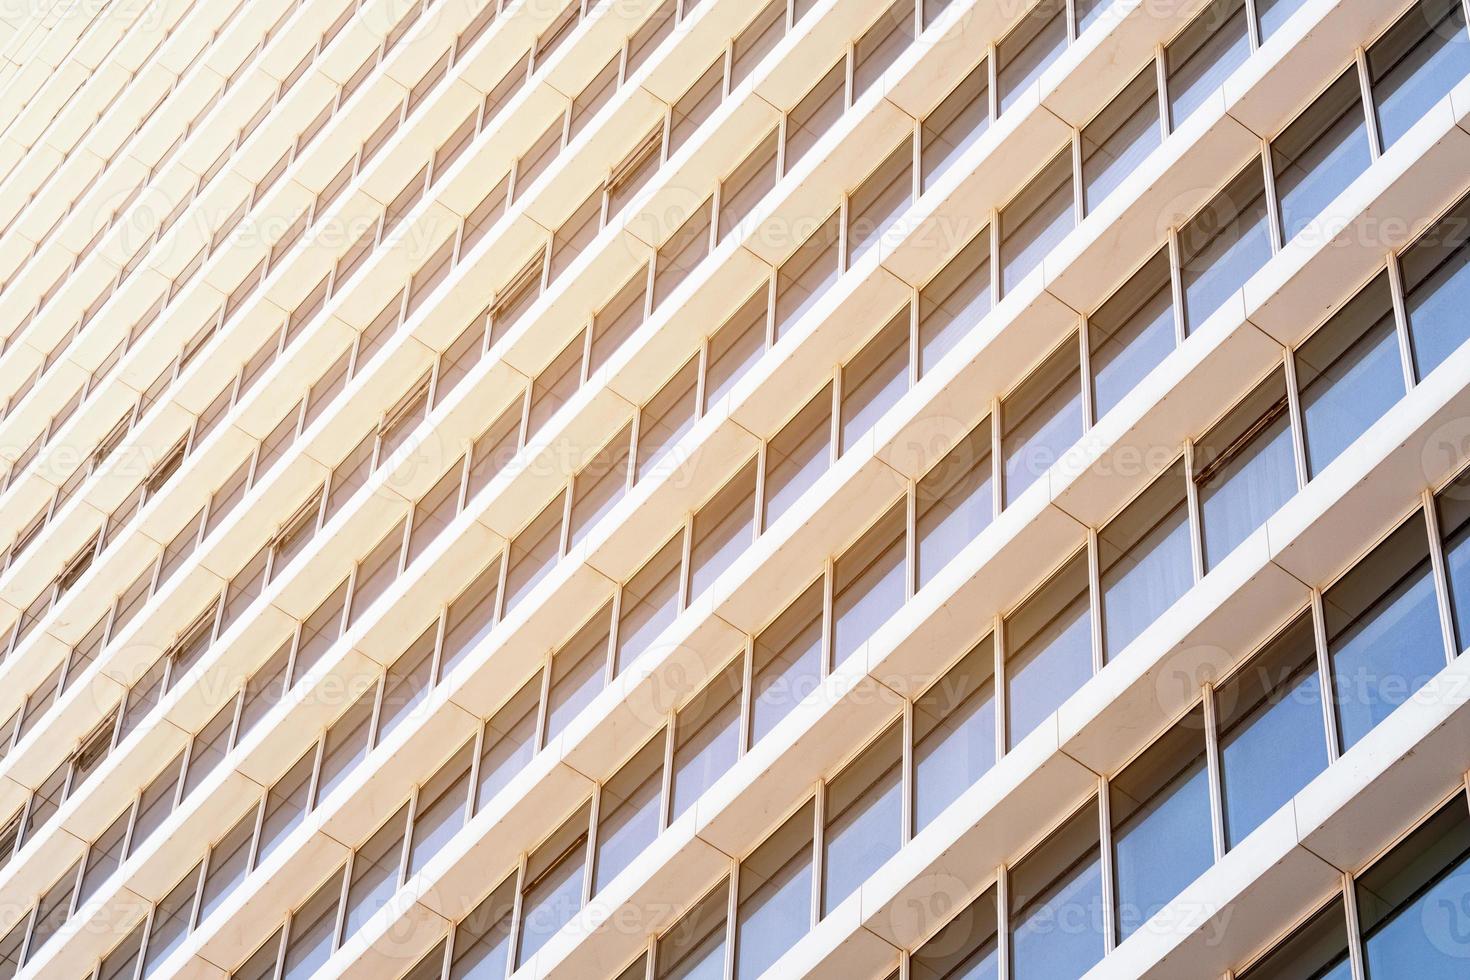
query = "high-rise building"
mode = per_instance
[{"x": 718, "y": 489}]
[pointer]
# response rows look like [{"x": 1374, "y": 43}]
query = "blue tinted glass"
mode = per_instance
[
  {"x": 865, "y": 830},
  {"x": 1156, "y": 568},
  {"x": 1245, "y": 487},
  {"x": 1350, "y": 374},
  {"x": 1033, "y": 223},
  {"x": 1049, "y": 649},
  {"x": 776, "y": 898},
  {"x": 1416, "y": 64},
  {"x": 954, "y": 733},
  {"x": 550, "y": 904},
  {"x": 1061, "y": 935},
  {"x": 1214, "y": 44},
  {"x": 1437, "y": 290},
  {"x": 1131, "y": 333},
  {"x": 1455, "y": 526},
  {"x": 1224, "y": 245},
  {"x": 1118, "y": 140},
  {"x": 1319, "y": 154},
  {"x": 1383, "y": 628},
  {"x": 1164, "y": 846},
  {"x": 1030, "y": 49},
  {"x": 788, "y": 663},
  {"x": 1274, "y": 13},
  {"x": 1042, "y": 419},
  {"x": 956, "y": 501},
  {"x": 1414, "y": 901}
]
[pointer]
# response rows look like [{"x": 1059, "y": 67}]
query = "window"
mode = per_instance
[
  {"x": 881, "y": 44},
  {"x": 310, "y": 931},
  {"x": 817, "y": 111},
  {"x": 1048, "y": 643},
  {"x": 954, "y": 732},
  {"x": 1274, "y": 13},
  {"x": 154, "y": 805},
  {"x": 955, "y": 301},
  {"x": 734, "y": 348},
  {"x": 1040, "y": 420},
  {"x": 757, "y": 40},
  {"x": 1436, "y": 274},
  {"x": 318, "y": 633},
  {"x": 285, "y": 805},
  {"x": 807, "y": 274},
  {"x": 552, "y": 892},
  {"x": 1223, "y": 245},
  {"x": 440, "y": 808},
  {"x": 170, "y": 922},
  {"x": 1414, "y": 885},
  {"x": 533, "y": 553},
  {"x": 1029, "y": 49},
  {"x": 685, "y": 248},
  {"x": 967, "y": 947},
  {"x": 695, "y": 948},
  {"x": 629, "y": 811},
  {"x": 1119, "y": 138},
  {"x": 664, "y": 421},
  {"x": 599, "y": 485},
  {"x": 1349, "y": 373},
  {"x": 723, "y": 528},
  {"x": 1204, "y": 54},
  {"x": 1162, "y": 830},
  {"x": 1245, "y": 468},
  {"x": 1320, "y": 154},
  {"x": 556, "y": 384},
  {"x": 798, "y": 455},
  {"x": 880, "y": 199},
  {"x": 482, "y": 938},
  {"x": 1416, "y": 63},
  {"x": 649, "y": 603},
  {"x": 1131, "y": 333},
  {"x": 1383, "y": 632},
  {"x": 470, "y": 618},
  {"x": 744, "y": 188},
  {"x": 774, "y": 904},
  {"x": 1055, "y": 892},
  {"x": 405, "y": 686},
  {"x": 955, "y": 124},
  {"x": 787, "y": 662},
  {"x": 875, "y": 379},
  {"x": 229, "y": 861},
  {"x": 578, "y": 672},
  {"x": 864, "y": 819},
  {"x": 1036, "y": 220},
  {"x": 374, "y": 875},
  {"x": 1145, "y": 560},
  {"x": 706, "y": 738},
  {"x": 954, "y": 501},
  {"x": 869, "y": 583},
  {"x": 1272, "y": 742},
  {"x": 510, "y": 739}
]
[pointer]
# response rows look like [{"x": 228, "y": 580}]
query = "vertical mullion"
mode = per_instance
[
  {"x": 1094, "y": 600},
  {"x": 1370, "y": 111},
  {"x": 1354, "y": 929},
  {"x": 1401, "y": 320},
  {"x": 819, "y": 870},
  {"x": 1161, "y": 77},
  {"x": 1212, "y": 765},
  {"x": 1273, "y": 206},
  {"x": 1324, "y": 676},
  {"x": 1196, "y": 513},
  {"x": 1084, "y": 354},
  {"x": 1105, "y": 862},
  {"x": 1176, "y": 286},
  {"x": 1003, "y": 922},
  {"x": 1002, "y": 706},
  {"x": 1441, "y": 575},
  {"x": 1296, "y": 420}
]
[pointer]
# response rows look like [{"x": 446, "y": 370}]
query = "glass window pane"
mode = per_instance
[
  {"x": 880, "y": 199},
  {"x": 1162, "y": 830},
  {"x": 1437, "y": 289},
  {"x": 1411, "y": 903},
  {"x": 169, "y": 920},
  {"x": 869, "y": 583},
  {"x": 955, "y": 501},
  {"x": 471, "y": 617},
  {"x": 863, "y": 817},
  {"x": 875, "y": 379},
  {"x": 1350, "y": 374},
  {"x": 510, "y": 740},
  {"x": 774, "y": 907},
  {"x": 311, "y": 931},
  {"x": 1035, "y": 220},
  {"x": 807, "y": 274},
  {"x": 599, "y": 485},
  {"x": 1320, "y": 154},
  {"x": 1119, "y": 138},
  {"x": 1383, "y": 632},
  {"x": 735, "y": 347},
  {"x": 1029, "y": 49},
  {"x": 628, "y": 812},
  {"x": 578, "y": 672},
  {"x": 374, "y": 873},
  {"x": 154, "y": 805},
  {"x": 967, "y": 948},
  {"x": 955, "y": 124},
  {"x": 665, "y": 419},
  {"x": 1269, "y": 715},
  {"x": 482, "y": 938},
  {"x": 649, "y": 603},
  {"x": 1131, "y": 333},
  {"x": 815, "y": 113},
  {"x": 405, "y": 687},
  {"x": 229, "y": 860},
  {"x": 533, "y": 553},
  {"x": 285, "y": 805},
  {"x": 954, "y": 733},
  {"x": 1245, "y": 468},
  {"x": 1145, "y": 560},
  {"x": 1204, "y": 54},
  {"x": 787, "y": 662},
  {"x": 552, "y": 894},
  {"x": 1041, "y": 419},
  {"x": 954, "y": 301},
  {"x": 1223, "y": 245},
  {"x": 439, "y": 811},
  {"x": 1274, "y": 13},
  {"x": 695, "y": 948},
  {"x": 1048, "y": 643},
  {"x": 1416, "y": 63},
  {"x": 706, "y": 738},
  {"x": 881, "y": 44},
  {"x": 105, "y": 854},
  {"x": 1056, "y": 895},
  {"x": 723, "y": 528},
  {"x": 797, "y": 455}
]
